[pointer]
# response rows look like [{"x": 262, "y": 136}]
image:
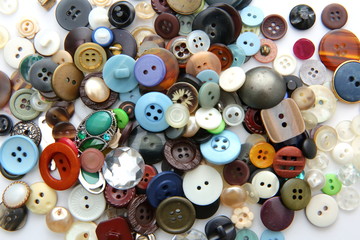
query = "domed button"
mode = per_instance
[
  {"x": 233, "y": 196},
  {"x": 345, "y": 82},
  {"x": 42, "y": 198},
  {"x": 312, "y": 72},
  {"x": 332, "y": 185},
  {"x": 268, "y": 51},
  {"x": 121, "y": 14},
  {"x": 334, "y": 16},
  {"x": 295, "y": 194},
  {"x": 12, "y": 219},
  {"x": 304, "y": 48},
  {"x": 266, "y": 183},
  {"x": 75, "y": 38},
  {"x": 16, "y": 194},
  {"x": 47, "y": 42},
  {"x": 274, "y": 27},
  {"x": 103, "y": 36},
  {"x": 322, "y": 210},
  {"x": 98, "y": 17},
  {"x": 309, "y": 148},
  {"x": 236, "y": 172},
  {"x": 262, "y": 155},
  {"x": 6, "y": 125},
  {"x": 167, "y": 25},
  {"x": 90, "y": 57},
  {"x": 71, "y": 15},
  {"x": 289, "y": 162},
  {"x": 220, "y": 227},
  {"x": 275, "y": 216},
  {"x": 302, "y": 17}
]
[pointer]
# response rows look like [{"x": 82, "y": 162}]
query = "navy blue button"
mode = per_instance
[
  {"x": 164, "y": 185},
  {"x": 150, "y": 70},
  {"x": 346, "y": 82},
  {"x": 270, "y": 235}
]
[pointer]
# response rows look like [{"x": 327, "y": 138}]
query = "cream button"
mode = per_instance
[
  {"x": 101, "y": 3},
  {"x": 266, "y": 183},
  {"x": 208, "y": 118},
  {"x": 356, "y": 145},
  {"x": 59, "y": 220},
  {"x": 177, "y": 115},
  {"x": 304, "y": 97},
  {"x": 42, "y": 198},
  {"x": 342, "y": 153},
  {"x": 16, "y": 194},
  {"x": 325, "y": 138},
  {"x": 144, "y": 10},
  {"x": 344, "y": 131},
  {"x": 27, "y": 27},
  {"x": 8, "y": 6},
  {"x": 255, "y": 138},
  {"x": 310, "y": 119},
  {"x": 355, "y": 125},
  {"x": 4, "y": 36},
  {"x": 16, "y": 50},
  {"x": 315, "y": 178},
  {"x": 61, "y": 57},
  {"x": 312, "y": 72},
  {"x": 96, "y": 89},
  {"x": 47, "y": 42},
  {"x": 82, "y": 231},
  {"x": 232, "y": 79},
  {"x": 98, "y": 17},
  {"x": 251, "y": 192},
  {"x": 322, "y": 210},
  {"x": 285, "y": 64},
  {"x": 191, "y": 127}
]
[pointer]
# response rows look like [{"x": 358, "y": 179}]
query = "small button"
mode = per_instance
[
  {"x": 6, "y": 125},
  {"x": 144, "y": 10},
  {"x": 16, "y": 194},
  {"x": 302, "y": 17},
  {"x": 27, "y": 27},
  {"x": 332, "y": 184},
  {"x": 233, "y": 115},
  {"x": 92, "y": 160},
  {"x": 209, "y": 94},
  {"x": 8, "y": 7},
  {"x": 90, "y": 57},
  {"x": 274, "y": 27},
  {"x": 178, "y": 47},
  {"x": 249, "y": 42},
  {"x": 334, "y": 16},
  {"x": 150, "y": 70},
  {"x": 342, "y": 153},
  {"x": 348, "y": 198},
  {"x": 289, "y": 162},
  {"x": 149, "y": 173},
  {"x": 41, "y": 74},
  {"x": 304, "y": 97},
  {"x": 312, "y": 72},
  {"x": 223, "y": 53},
  {"x": 55, "y": 115},
  {"x": 101, "y": 3},
  {"x": 80, "y": 228},
  {"x": 270, "y": 235},
  {"x": 98, "y": 17},
  {"x": 309, "y": 148},
  {"x": 232, "y": 79},
  {"x": 185, "y": 94},
  {"x": 266, "y": 183},
  {"x": 348, "y": 174},
  {"x": 246, "y": 234},
  {"x": 42, "y": 198},
  {"x": 47, "y": 42},
  {"x": 285, "y": 64},
  {"x": 201, "y": 61},
  {"x": 4, "y": 36},
  {"x": 28, "y": 129},
  {"x": 268, "y": 51},
  {"x": 304, "y": 48},
  {"x": 12, "y": 219},
  {"x": 118, "y": 198},
  {"x": 208, "y": 118},
  {"x": 121, "y": 14},
  {"x": 16, "y": 50},
  {"x": 322, "y": 210},
  {"x": 233, "y": 196},
  {"x": 167, "y": 25},
  {"x": 315, "y": 178},
  {"x": 325, "y": 138},
  {"x": 198, "y": 41},
  {"x": 185, "y": 23},
  {"x": 295, "y": 194},
  {"x": 59, "y": 220},
  {"x": 262, "y": 155},
  {"x": 242, "y": 218},
  {"x": 103, "y": 36},
  {"x": 71, "y": 15},
  {"x": 115, "y": 228},
  {"x": 252, "y": 16},
  {"x": 239, "y": 55},
  {"x": 220, "y": 227},
  {"x": 345, "y": 131},
  {"x": 275, "y": 216}
]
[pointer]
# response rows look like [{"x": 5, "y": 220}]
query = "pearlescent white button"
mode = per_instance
[
  {"x": 322, "y": 210},
  {"x": 101, "y": 3},
  {"x": 348, "y": 198},
  {"x": 325, "y": 138},
  {"x": 315, "y": 178},
  {"x": 310, "y": 119},
  {"x": 47, "y": 42},
  {"x": 16, "y": 50},
  {"x": 82, "y": 231},
  {"x": 4, "y": 36},
  {"x": 266, "y": 183},
  {"x": 312, "y": 72},
  {"x": 355, "y": 125},
  {"x": 321, "y": 161},
  {"x": 16, "y": 194},
  {"x": 198, "y": 41},
  {"x": 202, "y": 185},
  {"x": 356, "y": 145},
  {"x": 177, "y": 115},
  {"x": 98, "y": 17},
  {"x": 8, "y": 6},
  {"x": 342, "y": 153},
  {"x": 285, "y": 64},
  {"x": 344, "y": 131},
  {"x": 232, "y": 79},
  {"x": 42, "y": 198},
  {"x": 208, "y": 118},
  {"x": 191, "y": 127},
  {"x": 233, "y": 115}
]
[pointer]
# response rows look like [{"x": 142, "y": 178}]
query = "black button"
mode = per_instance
[
  {"x": 121, "y": 14},
  {"x": 292, "y": 83},
  {"x": 203, "y": 212},
  {"x": 220, "y": 227},
  {"x": 243, "y": 4},
  {"x": 75, "y": 38},
  {"x": 309, "y": 148},
  {"x": 302, "y": 17},
  {"x": 71, "y": 14},
  {"x": 123, "y": 43},
  {"x": 6, "y": 125}
]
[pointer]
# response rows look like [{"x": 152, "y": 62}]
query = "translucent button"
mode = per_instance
[
  {"x": 342, "y": 153},
  {"x": 232, "y": 79},
  {"x": 344, "y": 131},
  {"x": 144, "y": 10},
  {"x": 81, "y": 231},
  {"x": 304, "y": 97},
  {"x": 177, "y": 115},
  {"x": 315, "y": 178},
  {"x": 348, "y": 198},
  {"x": 348, "y": 174},
  {"x": 233, "y": 115},
  {"x": 266, "y": 183},
  {"x": 192, "y": 234},
  {"x": 321, "y": 161},
  {"x": 285, "y": 64},
  {"x": 325, "y": 138},
  {"x": 322, "y": 210},
  {"x": 198, "y": 41}
]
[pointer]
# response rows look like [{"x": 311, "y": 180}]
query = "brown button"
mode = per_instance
[
  {"x": 125, "y": 133},
  {"x": 223, "y": 53},
  {"x": 161, "y": 6},
  {"x": 201, "y": 61},
  {"x": 155, "y": 39},
  {"x": 64, "y": 129},
  {"x": 75, "y": 38},
  {"x": 128, "y": 107},
  {"x": 274, "y": 27},
  {"x": 167, "y": 25},
  {"x": 236, "y": 172},
  {"x": 149, "y": 173},
  {"x": 289, "y": 162},
  {"x": 184, "y": 7},
  {"x": 68, "y": 106},
  {"x": 185, "y": 94},
  {"x": 262, "y": 155},
  {"x": 18, "y": 82},
  {"x": 275, "y": 216},
  {"x": 92, "y": 160},
  {"x": 113, "y": 229},
  {"x": 304, "y": 97},
  {"x": 61, "y": 57},
  {"x": 178, "y": 47},
  {"x": 90, "y": 57},
  {"x": 295, "y": 194},
  {"x": 118, "y": 198},
  {"x": 334, "y": 16},
  {"x": 66, "y": 81},
  {"x": 268, "y": 51},
  {"x": 182, "y": 153},
  {"x": 55, "y": 115},
  {"x": 5, "y": 90},
  {"x": 253, "y": 122},
  {"x": 141, "y": 215}
]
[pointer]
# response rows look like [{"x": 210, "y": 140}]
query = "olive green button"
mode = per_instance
[
  {"x": 219, "y": 129},
  {"x": 20, "y": 105},
  {"x": 332, "y": 184},
  {"x": 295, "y": 194},
  {"x": 121, "y": 117},
  {"x": 209, "y": 94},
  {"x": 175, "y": 215}
]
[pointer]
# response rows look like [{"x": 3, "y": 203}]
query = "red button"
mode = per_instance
[
  {"x": 304, "y": 48},
  {"x": 114, "y": 229},
  {"x": 118, "y": 198},
  {"x": 289, "y": 162},
  {"x": 149, "y": 173}
]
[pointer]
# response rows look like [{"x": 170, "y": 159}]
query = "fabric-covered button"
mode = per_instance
[
  {"x": 348, "y": 198},
  {"x": 167, "y": 25},
  {"x": 113, "y": 228},
  {"x": 289, "y": 162},
  {"x": 334, "y": 16},
  {"x": 79, "y": 228},
  {"x": 332, "y": 185},
  {"x": 285, "y": 64},
  {"x": 304, "y": 48},
  {"x": 252, "y": 16},
  {"x": 275, "y": 216},
  {"x": 274, "y": 27},
  {"x": 262, "y": 155},
  {"x": 249, "y": 42},
  {"x": 71, "y": 15},
  {"x": 90, "y": 57},
  {"x": 149, "y": 70},
  {"x": 16, "y": 194},
  {"x": 6, "y": 125},
  {"x": 266, "y": 183},
  {"x": 302, "y": 17},
  {"x": 42, "y": 198},
  {"x": 345, "y": 82},
  {"x": 268, "y": 51},
  {"x": 295, "y": 194},
  {"x": 12, "y": 219},
  {"x": 220, "y": 227},
  {"x": 121, "y": 14},
  {"x": 232, "y": 79},
  {"x": 322, "y": 210},
  {"x": 16, "y": 50},
  {"x": 312, "y": 72}
]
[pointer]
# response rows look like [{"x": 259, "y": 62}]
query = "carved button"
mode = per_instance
[{"x": 289, "y": 162}]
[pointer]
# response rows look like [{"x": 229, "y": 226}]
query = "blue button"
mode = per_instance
[
  {"x": 270, "y": 235},
  {"x": 252, "y": 16},
  {"x": 131, "y": 96},
  {"x": 102, "y": 36},
  {"x": 249, "y": 42},
  {"x": 150, "y": 70},
  {"x": 347, "y": 81},
  {"x": 163, "y": 185},
  {"x": 222, "y": 148},
  {"x": 208, "y": 75},
  {"x": 239, "y": 55},
  {"x": 18, "y": 155},
  {"x": 150, "y": 111},
  {"x": 246, "y": 234},
  {"x": 118, "y": 73}
]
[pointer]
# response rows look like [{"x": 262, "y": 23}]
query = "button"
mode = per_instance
[
  {"x": 184, "y": 7},
  {"x": 121, "y": 14},
  {"x": 303, "y": 48},
  {"x": 67, "y": 163},
  {"x": 209, "y": 94},
  {"x": 233, "y": 196},
  {"x": 16, "y": 50},
  {"x": 178, "y": 47},
  {"x": 246, "y": 234},
  {"x": 275, "y": 216},
  {"x": 185, "y": 94},
  {"x": 115, "y": 228},
  {"x": 292, "y": 83},
  {"x": 325, "y": 138},
  {"x": 118, "y": 198},
  {"x": 92, "y": 160},
  {"x": 262, "y": 154},
  {"x": 5, "y": 90},
  {"x": 4, "y": 36},
  {"x": 345, "y": 84},
  {"x": 348, "y": 198},
  {"x": 59, "y": 220},
  {"x": 93, "y": 182},
  {"x": 121, "y": 117},
  {"x": 201, "y": 61},
  {"x": 249, "y": 42},
  {"x": 27, "y": 129},
  {"x": 12, "y": 219},
  {"x": 141, "y": 215},
  {"x": 252, "y": 16},
  {"x": 322, "y": 210},
  {"x": 233, "y": 115},
  {"x": 90, "y": 57},
  {"x": 268, "y": 51},
  {"x": 8, "y": 7},
  {"x": 274, "y": 27},
  {"x": 304, "y": 97},
  {"x": 315, "y": 178},
  {"x": 285, "y": 64},
  {"x": 26, "y": 64},
  {"x": 79, "y": 228},
  {"x": 149, "y": 173},
  {"x": 144, "y": 10},
  {"x": 47, "y": 42},
  {"x": 312, "y": 72},
  {"x": 266, "y": 183},
  {"x": 41, "y": 74},
  {"x": 185, "y": 23},
  {"x": 338, "y": 46},
  {"x": 223, "y": 53},
  {"x": 102, "y": 36},
  {"x": 332, "y": 184},
  {"x": 6, "y": 125},
  {"x": 302, "y": 17},
  {"x": 334, "y": 16},
  {"x": 175, "y": 215},
  {"x": 232, "y": 79},
  {"x": 253, "y": 122},
  {"x": 16, "y": 194},
  {"x": 42, "y": 198},
  {"x": 320, "y": 161},
  {"x": 175, "y": 133},
  {"x": 160, "y": 6},
  {"x": 342, "y": 153},
  {"x": 198, "y": 41},
  {"x": 191, "y": 234},
  {"x": 27, "y": 27},
  {"x": 208, "y": 118},
  {"x": 71, "y": 15},
  {"x": 75, "y": 38},
  {"x": 239, "y": 55},
  {"x": 242, "y": 218},
  {"x": 101, "y": 3},
  {"x": 55, "y": 115},
  {"x": 167, "y": 25},
  {"x": 270, "y": 235},
  {"x": 355, "y": 125},
  {"x": 202, "y": 185},
  {"x": 309, "y": 148},
  {"x": 98, "y": 17},
  {"x": 289, "y": 162},
  {"x": 220, "y": 227},
  {"x": 149, "y": 70},
  {"x": 140, "y": 32},
  {"x": 119, "y": 74},
  {"x": 295, "y": 194},
  {"x": 347, "y": 174}
]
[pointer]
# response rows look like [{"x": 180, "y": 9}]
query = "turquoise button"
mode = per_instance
[
  {"x": 270, "y": 235},
  {"x": 131, "y": 96},
  {"x": 98, "y": 123},
  {"x": 239, "y": 55},
  {"x": 208, "y": 75},
  {"x": 246, "y": 234},
  {"x": 252, "y": 16}
]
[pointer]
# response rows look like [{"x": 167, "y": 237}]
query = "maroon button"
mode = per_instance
[
  {"x": 141, "y": 215},
  {"x": 334, "y": 16},
  {"x": 236, "y": 172},
  {"x": 223, "y": 53},
  {"x": 161, "y": 6},
  {"x": 113, "y": 229},
  {"x": 70, "y": 143},
  {"x": 125, "y": 133},
  {"x": 303, "y": 48},
  {"x": 92, "y": 160},
  {"x": 289, "y": 162},
  {"x": 253, "y": 122},
  {"x": 274, "y": 27},
  {"x": 167, "y": 25},
  {"x": 275, "y": 216},
  {"x": 117, "y": 197},
  {"x": 182, "y": 153},
  {"x": 149, "y": 173}
]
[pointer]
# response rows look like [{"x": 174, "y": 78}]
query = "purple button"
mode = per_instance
[{"x": 150, "y": 70}]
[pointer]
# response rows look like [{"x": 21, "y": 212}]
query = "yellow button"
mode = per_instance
[
  {"x": 42, "y": 198},
  {"x": 262, "y": 155},
  {"x": 90, "y": 57}
]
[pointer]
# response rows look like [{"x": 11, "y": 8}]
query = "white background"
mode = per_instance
[{"x": 347, "y": 223}]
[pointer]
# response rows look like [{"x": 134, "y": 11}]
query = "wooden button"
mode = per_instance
[
  {"x": 223, "y": 53},
  {"x": 201, "y": 61},
  {"x": 5, "y": 90},
  {"x": 334, "y": 16},
  {"x": 289, "y": 162},
  {"x": 295, "y": 194},
  {"x": 262, "y": 155},
  {"x": 167, "y": 25}
]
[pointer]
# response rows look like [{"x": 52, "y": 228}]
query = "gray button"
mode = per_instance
[
  {"x": 233, "y": 115},
  {"x": 71, "y": 14},
  {"x": 312, "y": 72},
  {"x": 40, "y": 74}
]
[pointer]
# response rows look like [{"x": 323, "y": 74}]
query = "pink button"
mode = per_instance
[
  {"x": 304, "y": 48},
  {"x": 92, "y": 160}
]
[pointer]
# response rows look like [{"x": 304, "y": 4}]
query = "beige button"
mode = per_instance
[
  {"x": 325, "y": 138},
  {"x": 144, "y": 10},
  {"x": 304, "y": 97},
  {"x": 47, "y": 4},
  {"x": 101, "y": 3},
  {"x": 4, "y": 36},
  {"x": 310, "y": 120},
  {"x": 141, "y": 32},
  {"x": 344, "y": 131},
  {"x": 61, "y": 57},
  {"x": 42, "y": 198},
  {"x": 242, "y": 217},
  {"x": 90, "y": 57},
  {"x": 96, "y": 89},
  {"x": 201, "y": 61},
  {"x": 81, "y": 231},
  {"x": 185, "y": 7},
  {"x": 27, "y": 27},
  {"x": 355, "y": 125}
]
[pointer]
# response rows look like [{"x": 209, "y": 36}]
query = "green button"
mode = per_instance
[
  {"x": 209, "y": 94},
  {"x": 295, "y": 194},
  {"x": 91, "y": 178},
  {"x": 121, "y": 117},
  {"x": 246, "y": 234},
  {"x": 219, "y": 129},
  {"x": 332, "y": 184},
  {"x": 20, "y": 105},
  {"x": 92, "y": 143},
  {"x": 98, "y": 123}
]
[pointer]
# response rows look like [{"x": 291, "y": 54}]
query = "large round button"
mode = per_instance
[
  {"x": 334, "y": 16},
  {"x": 275, "y": 216},
  {"x": 295, "y": 194},
  {"x": 313, "y": 72},
  {"x": 322, "y": 210},
  {"x": 12, "y": 219},
  {"x": 149, "y": 70},
  {"x": 236, "y": 172},
  {"x": 71, "y": 14},
  {"x": 302, "y": 17},
  {"x": 16, "y": 50},
  {"x": 345, "y": 82},
  {"x": 42, "y": 198}
]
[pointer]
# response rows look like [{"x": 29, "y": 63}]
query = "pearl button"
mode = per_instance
[
  {"x": 16, "y": 194},
  {"x": 233, "y": 196},
  {"x": 59, "y": 220},
  {"x": 96, "y": 89}
]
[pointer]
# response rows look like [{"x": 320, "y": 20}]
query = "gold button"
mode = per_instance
[
  {"x": 61, "y": 57},
  {"x": 144, "y": 10},
  {"x": 90, "y": 57},
  {"x": 185, "y": 7},
  {"x": 27, "y": 27}
]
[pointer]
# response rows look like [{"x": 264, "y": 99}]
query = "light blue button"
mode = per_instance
[
  {"x": 102, "y": 36},
  {"x": 118, "y": 73},
  {"x": 246, "y": 234},
  {"x": 249, "y": 42},
  {"x": 252, "y": 16},
  {"x": 18, "y": 155},
  {"x": 222, "y": 148},
  {"x": 131, "y": 96},
  {"x": 208, "y": 75},
  {"x": 150, "y": 111},
  {"x": 270, "y": 235},
  {"x": 239, "y": 55}
]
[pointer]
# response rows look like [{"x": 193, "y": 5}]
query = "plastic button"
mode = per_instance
[
  {"x": 185, "y": 23},
  {"x": 303, "y": 48},
  {"x": 223, "y": 53},
  {"x": 209, "y": 94},
  {"x": 113, "y": 229},
  {"x": 322, "y": 210},
  {"x": 98, "y": 17},
  {"x": 252, "y": 16},
  {"x": 249, "y": 42},
  {"x": 332, "y": 184},
  {"x": 344, "y": 131},
  {"x": 220, "y": 227},
  {"x": 118, "y": 198},
  {"x": 144, "y": 10},
  {"x": 262, "y": 155},
  {"x": 239, "y": 55},
  {"x": 289, "y": 162},
  {"x": 325, "y": 138},
  {"x": 12, "y": 219},
  {"x": 47, "y": 42},
  {"x": 16, "y": 50},
  {"x": 101, "y": 3},
  {"x": 355, "y": 125},
  {"x": 71, "y": 14},
  {"x": 246, "y": 234},
  {"x": 167, "y": 25},
  {"x": 42, "y": 198},
  {"x": 271, "y": 235},
  {"x": 274, "y": 27},
  {"x": 198, "y": 41},
  {"x": 285, "y": 64},
  {"x": 268, "y": 51},
  {"x": 315, "y": 178},
  {"x": 121, "y": 14},
  {"x": 295, "y": 194},
  {"x": 208, "y": 118},
  {"x": 275, "y": 216},
  {"x": 27, "y": 27},
  {"x": 304, "y": 97},
  {"x": 342, "y": 153},
  {"x": 236, "y": 172},
  {"x": 266, "y": 183},
  {"x": 348, "y": 198},
  {"x": 16, "y": 194},
  {"x": 90, "y": 57},
  {"x": 149, "y": 70},
  {"x": 242, "y": 218},
  {"x": 201, "y": 61},
  {"x": 345, "y": 84},
  {"x": 41, "y": 74},
  {"x": 302, "y": 17},
  {"x": 334, "y": 16},
  {"x": 233, "y": 115},
  {"x": 232, "y": 79},
  {"x": 4, "y": 36},
  {"x": 102, "y": 36},
  {"x": 6, "y": 125},
  {"x": 8, "y": 7},
  {"x": 80, "y": 229},
  {"x": 312, "y": 72}
]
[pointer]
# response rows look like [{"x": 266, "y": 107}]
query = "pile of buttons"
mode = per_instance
[{"x": 160, "y": 147}]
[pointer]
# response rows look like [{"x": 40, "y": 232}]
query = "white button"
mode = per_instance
[
  {"x": 98, "y": 17},
  {"x": 251, "y": 192},
  {"x": 27, "y": 27},
  {"x": 38, "y": 102},
  {"x": 356, "y": 145},
  {"x": 322, "y": 210},
  {"x": 356, "y": 161},
  {"x": 61, "y": 57},
  {"x": 344, "y": 131},
  {"x": 191, "y": 127},
  {"x": 310, "y": 120},
  {"x": 101, "y": 3},
  {"x": 16, "y": 194},
  {"x": 348, "y": 198},
  {"x": 202, "y": 185},
  {"x": 285, "y": 64},
  {"x": 232, "y": 79},
  {"x": 103, "y": 36},
  {"x": 233, "y": 115},
  {"x": 177, "y": 115},
  {"x": 355, "y": 125},
  {"x": 321, "y": 161},
  {"x": 312, "y": 72},
  {"x": 198, "y": 41},
  {"x": 4, "y": 36},
  {"x": 42, "y": 198},
  {"x": 16, "y": 50},
  {"x": 86, "y": 206},
  {"x": 342, "y": 153},
  {"x": 315, "y": 178},
  {"x": 325, "y": 138},
  {"x": 208, "y": 118},
  {"x": 47, "y": 42},
  {"x": 82, "y": 231},
  {"x": 348, "y": 174},
  {"x": 8, "y": 6},
  {"x": 266, "y": 183}
]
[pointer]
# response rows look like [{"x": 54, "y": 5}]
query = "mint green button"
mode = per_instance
[
  {"x": 332, "y": 184},
  {"x": 98, "y": 123},
  {"x": 246, "y": 234},
  {"x": 209, "y": 94},
  {"x": 219, "y": 129}
]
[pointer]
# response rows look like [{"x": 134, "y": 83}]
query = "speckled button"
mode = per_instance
[
  {"x": 334, "y": 16},
  {"x": 322, "y": 210},
  {"x": 42, "y": 198},
  {"x": 275, "y": 216},
  {"x": 71, "y": 14},
  {"x": 274, "y": 27},
  {"x": 12, "y": 219}
]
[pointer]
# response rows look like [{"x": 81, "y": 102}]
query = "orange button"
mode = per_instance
[{"x": 262, "y": 155}]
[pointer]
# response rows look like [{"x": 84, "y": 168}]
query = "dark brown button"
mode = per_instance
[
  {"x": 275, "y": 216},
  {"x": 64, "y": 129},
  {"x": 289, "y": 162},
  {"x": 113, "y": 229},
  {"x": 12, "y": 219},
  {"x": 149, "y": 173},
  {"x": 68, "y": 106},
  {"x": 274, "y": 27},
  {"x": 334, "y": 16},
  {"x": 253, "y": 122},
  {"x": 27, "y": 129},
  {"x": 75, "y": 38},
  {"x": 161, "y": 6},
  {"x": 92, "y": 160},
  {"x": 125, "y": 133},
  {"x": 5, "y": 90},
  {"x": 118, "y": 198},
  {"x": 223, "y": 53},
  {"x": 123, "y": 43},
  {"x": 185, "y": 94},
  {"x": 6, "y": 125},
  {"x": 55, "y": 115},
  {"x": 236, "y": 172},
  {"x": 167, "y": 25},
  {"x": 128, "y": 107},
  {"x": 141, "y": 215},
  {"x": 295, "y": 194},
  {"x": 182, "y": 153}
]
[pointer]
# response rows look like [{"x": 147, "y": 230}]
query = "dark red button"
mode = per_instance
[
  {"x": 253, "y": 122},
  {"x": 113, "y": 229},
  {"x": 167, "y": 25},
  {"x": 289, "y": 162},
  {"x": 236, "y": 172},
  {"x": 117, "y": 197},
  {"x": 303, "y": 48},
  {"x": 149, "y": 173}
]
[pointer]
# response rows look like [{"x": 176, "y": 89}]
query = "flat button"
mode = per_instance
[
  {"x": 232, "y": 79},
  {"x": 236, "y": 172},
  {"x": 98, "y": 17},
  {"x": 26, "y": 64},
  {"x": 355, "y": 125},
  {"x": 191, "y": 234},
  {"x": 16, "y": 50},
  {"x": 5, "y": 91},
  {"x": 242, "y": 217},
  {"x": 304, "y": 97},
  {"x": 12, "y": 219},
  {"x": 289, "y": 162},
  {"x": 41, "y": 74},
  {"x": 239, "y": 55},
  {"x": 184, "y": 93},
  {"x": 253, "y": 122},
  {"x": 334, "y": 16},
  {"x": 184, "y": 7},
  {"x": 167, "y": 25},
  {"x": 71, "y": 15},
  {"x": 220, "y": 227},
  {"x": 79, "y": 228},
  {"x": 302, "y": 17},
  {"x": 268, "y": 51},
  {"x": 42, "y": 198},
  {"x": 246, "y": 234},
  {"x": 115, "y": 228},
  {"x": 274, "y": 27},
  {"x": 262, "y": 155},
  {"x": 202, "y": 185},
  {"x": 8, "y": 8},
  {"x": 270, "y": 235},
  {"x": 275, "y": 216},
  {"x": 312, "y": 72},
  {"x": 121, "y": 14},
  {"x": 75, "y": 38},
  {"x": 90, "y": 57},
  {"x": 295, "y": 194},
  {"x": 185, "y": 23},
  {"x": 285, "y": 64},
  {"x": 16, "y": 194},
  {"x": 208, "y": 118},
  {"x": 332, "y": 184},
  {"x": 348, "y": 198},
  {"x": 342, "y": 153},
  {"x": 161, "y": 6},
  {"x": 92, "y": 160},
  {"x": 233, "y": 115},
  {"x": 118, "y": 198},
  {"x": 6, "y": 125},
  {"x": 252, "y": 16},
  {"x": 101, "y": 3},
  {"x": 322, "y": 210},
  {"x": 345, "y": 84},
  {"x": 28, "y": 129},
  {"x": 4, "y": 36},
  {"x": 47, "y": 42},
  {"x": 197, "y": 41},
  {"x": 178, "y": 46},
  {"x": 149, "y": 70},
  {"x": 144, "y": 10},
  {"x": 27, "y": 27},
  {"x": 304, "y": 48},
  {"x": 55, "y": 115},
  {"x": 209, "y": 94},
  {"x": 266, "y": 183},
  {"x": 223, "y": 53},
  {"x": 249, "y": 42}
]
